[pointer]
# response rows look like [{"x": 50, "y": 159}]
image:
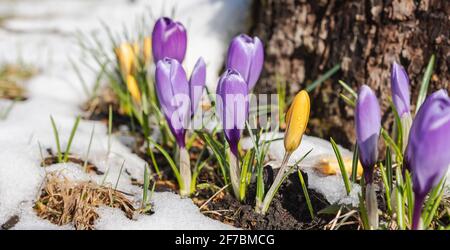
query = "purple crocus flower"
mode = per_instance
[
  {"x": 427, "y": 154},
  {"x": 246, "y": 55},
  {"x": 197, "y": 84},
  {"x": 368, "y": 126},
  {"x": 168, "y": 40},
  {"x": 400, "y": 89},
  {"x": 178, "y": 97},
  {"x": 232, "y": 106}
]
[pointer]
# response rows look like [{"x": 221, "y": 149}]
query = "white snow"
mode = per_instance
[{"x": 41, "y": 34}]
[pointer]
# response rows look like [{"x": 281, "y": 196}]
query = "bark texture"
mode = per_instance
[{"x": 304, "y": 38}]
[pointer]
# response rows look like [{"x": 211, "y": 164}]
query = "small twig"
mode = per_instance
[
  {"x": 334, "y": 221},
  {"x": 212, "y": 197}
]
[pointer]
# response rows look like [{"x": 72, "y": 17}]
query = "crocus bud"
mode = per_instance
[
  {"x": 232, "y": 106},
  {"x": 126, "y": 58},
  {"x": 169, "y": 40},
  {"x": 400, "y": 89},
  {"x": 134, "y": 89},
  {"x": 172, "y": 89},
  {"x": 427, "y": 154},
  {"x": 368, "y": 126},
  {"x": 296, "y": 120},
  {"x": 197, "y": 83},
  {"x": 147, "y": 49},
  {"x": 246, "y": 55}
]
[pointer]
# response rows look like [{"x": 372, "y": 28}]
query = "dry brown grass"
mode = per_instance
[
  {"x": 64, "y": 201},
  {"x": 12, "y": 77}
]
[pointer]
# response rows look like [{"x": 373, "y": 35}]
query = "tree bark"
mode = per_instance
[{"x": 304, "y": 38}]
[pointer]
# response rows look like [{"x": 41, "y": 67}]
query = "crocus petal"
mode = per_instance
[
  {"x": 427, "y": 154},
  {"x": 400, "y": 89},
  {"x": 169, "y": 39},
  {"x": 296, "y": 120},
  {"x": 172, "y": 89},
  {"x": 368, "y": 126},
  {"x": 232, "y": 106},
  {"x": 133, "y": 88},
  {"x": 197, "y": 84},
  {"x": 246, "y": 55},
  {"x": 126, "y": 58}
]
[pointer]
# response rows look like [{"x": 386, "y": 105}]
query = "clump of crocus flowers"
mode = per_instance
[
  {"x": 131, "y": 62},
  {"x": 244, "y": 64},
  {"x": 425, "y": 142},
  {"x": 178, "y": 96}
]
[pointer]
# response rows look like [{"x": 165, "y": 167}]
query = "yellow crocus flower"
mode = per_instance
[
  {"x": 134, "y": 89},
  {"x": 296, "y": 120},
  {"x": 126, "y": 57},
  {"x": 147, "y": 49}
]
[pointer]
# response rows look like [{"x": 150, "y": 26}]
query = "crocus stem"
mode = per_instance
[
  {"x": 276, "y": 184},
  {"x": 185, "y": 171},
  {"x": 372, "y": 206},
  {"x": 416, "y": 220},
  {"x": 235, "y": 172}
]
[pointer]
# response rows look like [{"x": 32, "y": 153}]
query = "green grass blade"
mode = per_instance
[
  {"x": 172, "y": 164},
  {"x": 72, "y": 135},
  {"x": 363, "y": 213},
  {"x": 433, "y": 202},
  {"x": 347, "y": 100},
  {"x": 306, "y": 194},
  {"x": 218, "y": 151},
  {"x": 154, "y": 162},
  {"x": 120, "y": 174},
  {"x": 58, "y": 144},
  {"x": 425, "y": 82},
  {"x": 88, "y": 149},
  {"x": 399, "y": 125},
  {"x": 348, "y": 89},
  {"x": 355, "y": 160},
  {"x": 323, "y": 77},
  {"x": 389, "y": 170},
  {"x": 145, "y": 188},
  {"x": 244, "y": 175},
  {"x": 389, "y": 141},
  {"x": 409, "y": 194},
  {"x": 110, "y": 120},
  {"x": 386, "y": 187},
  {"x": 400, "y": 202},
  {"x": 341, "y": 166}
]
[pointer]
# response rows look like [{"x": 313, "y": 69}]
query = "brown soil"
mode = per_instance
[
  {"x": 51, "y": 159},
  {"x": 288, "y": 209},
  {"x": 97, "y": 109}
]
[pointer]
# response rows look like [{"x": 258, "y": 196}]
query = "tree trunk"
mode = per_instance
[{"x": 304, "y": 38}]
